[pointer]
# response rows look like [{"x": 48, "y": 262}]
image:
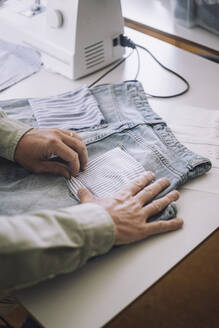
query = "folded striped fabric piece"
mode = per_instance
[
  {"x": 16, "y": 63},
  {"x": 106, "y": 174},
  {"x": 71, "y": 110}
]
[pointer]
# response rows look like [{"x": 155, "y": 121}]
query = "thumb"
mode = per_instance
[
  {"x": 55, "y": 168},
  {"x": 85, "y": 195}
]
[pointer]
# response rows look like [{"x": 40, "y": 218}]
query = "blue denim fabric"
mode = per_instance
[{"x": 131, "y": 125}]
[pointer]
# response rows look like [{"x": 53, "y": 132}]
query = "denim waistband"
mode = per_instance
[
  {"x": 126, "y": 110},
  {"x": 125, "y": 102}
]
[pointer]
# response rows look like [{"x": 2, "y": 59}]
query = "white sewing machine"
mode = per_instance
[{"x": 74, "y": 37}]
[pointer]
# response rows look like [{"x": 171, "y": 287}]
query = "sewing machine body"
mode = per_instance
[{"x": 75, "y": 38}]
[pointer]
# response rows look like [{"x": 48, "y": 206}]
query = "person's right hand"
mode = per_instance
[
  {"x": 134, "y": 205},
  {"x": 35, "y": 148}
]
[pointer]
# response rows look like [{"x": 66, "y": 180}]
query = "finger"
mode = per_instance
[
  {"x": 158, "y": 205},
  {"x": 54, "y": 168},
  {"x": 85, "y": 195},
  {"x": 68, "y": 155},
  {"x": 139, "y": 183},
  {"x": 163, "y": 226},
  {"x": 79, "y": 147},
  {"x": 147, "y": 194},
  {"x": 72, "y": 134}
]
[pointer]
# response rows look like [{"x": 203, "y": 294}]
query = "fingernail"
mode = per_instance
[
  {"x": 152, "y": 174},
  {"x": 68, "y": 176},
  {"x": 74, "y": 173},
  {"x": 149, "y": 173},
  {"x": 176, "y": 193},
  {"x": 181, "y": 222},
  {"x": 165, "y": 180},
  {"x": 83, "y": 167},
  {"x": 80, "y": 191}
]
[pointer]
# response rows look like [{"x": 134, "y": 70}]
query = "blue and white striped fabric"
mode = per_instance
[
  {"x": 71, "y": 110},
  {"x": 17, "y": 62},
  {"x": 106, "y": 174}
]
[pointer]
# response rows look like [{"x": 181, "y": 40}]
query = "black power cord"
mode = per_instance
[
  {"x": 111, "y": 69},
  {"x": 126, "y": 42},
  {"x": 139, "y": 64},
  {"x": 169, "y": 70}
]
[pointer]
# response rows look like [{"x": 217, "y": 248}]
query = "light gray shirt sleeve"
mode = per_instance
[{"x": 40, "y": 245}]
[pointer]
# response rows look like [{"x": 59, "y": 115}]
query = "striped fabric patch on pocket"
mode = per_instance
[
  {"x": 71, "y": 110},
  {"x": 106, "y": 174}
]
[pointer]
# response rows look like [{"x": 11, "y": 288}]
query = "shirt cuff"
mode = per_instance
[
  {"x": 97, "y": 229},
  {"x": 11, "y": 131}
]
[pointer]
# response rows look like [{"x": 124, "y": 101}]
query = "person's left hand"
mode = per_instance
[
  {"x": 37, "y": 145},
  {"x": 131, "y": 207}
]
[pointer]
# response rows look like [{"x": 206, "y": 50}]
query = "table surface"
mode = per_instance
[
  {"x": 158, "y": 14},
  {"x": 93, "y": 295},
  {"x": 185, "y": 297}
]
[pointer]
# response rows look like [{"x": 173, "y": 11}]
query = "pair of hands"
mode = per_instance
[{"x": 130, "y": 208}]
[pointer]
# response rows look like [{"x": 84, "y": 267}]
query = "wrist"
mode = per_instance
[
  {"x": 20, "y": 142},
  {"x": 11, "y": 132}
]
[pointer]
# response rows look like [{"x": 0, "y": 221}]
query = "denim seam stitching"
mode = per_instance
[
  {"x": 157, "y": 154},
  {"x": 97, "y": 138},
  {"x": 180, "y": 147},
  {"x": 115, "y": 103}
]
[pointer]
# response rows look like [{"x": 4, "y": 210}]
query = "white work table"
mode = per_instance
[
  {"x": 158, "y": 14},
  {"x": 93, "y": 295}
]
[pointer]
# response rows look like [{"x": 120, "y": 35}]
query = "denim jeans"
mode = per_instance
[{"x": 131, "y": 124}]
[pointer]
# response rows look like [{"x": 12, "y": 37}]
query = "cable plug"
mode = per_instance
[{"x": 126, "y": 42}]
